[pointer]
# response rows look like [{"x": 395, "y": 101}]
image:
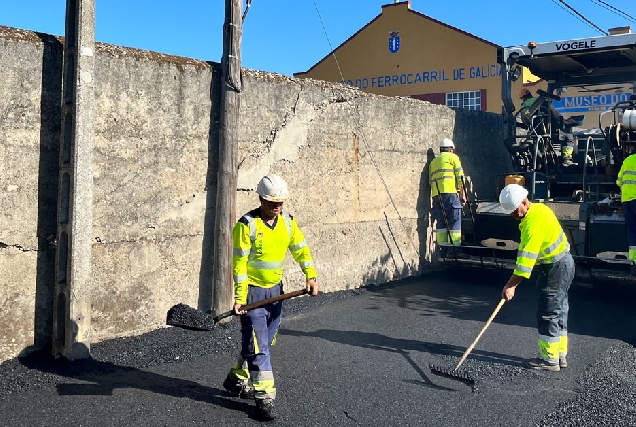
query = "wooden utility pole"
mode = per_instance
[{"x": 228, "y": 147}]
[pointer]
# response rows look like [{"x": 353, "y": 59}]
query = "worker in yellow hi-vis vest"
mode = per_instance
[
  {"x": 447, "y": 190},
  {"x": 627, "y": 182},
  {"x": 543, "y": 243},
  {"x": 261, "y": 239}
]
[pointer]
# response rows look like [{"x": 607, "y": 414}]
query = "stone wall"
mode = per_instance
[{"x": 355, "y": 164}]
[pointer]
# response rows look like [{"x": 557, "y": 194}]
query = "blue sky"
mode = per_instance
[{"x": 285, "y": 36}]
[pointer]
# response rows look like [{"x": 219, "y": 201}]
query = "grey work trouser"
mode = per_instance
[{"x": 553, "y": 283}]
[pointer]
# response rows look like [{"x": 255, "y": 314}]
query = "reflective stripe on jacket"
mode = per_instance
[
  {"x": 627, "y": 179},
  {"x": 542, "y": 240},
  {"x": 259, "y": 250},
  {"x": 445, "y": 170}
]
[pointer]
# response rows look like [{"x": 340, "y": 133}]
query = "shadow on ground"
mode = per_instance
[
  {"x": 381, "y": 342},
  {"x": 472, "y": 295},
  {"x": 95, "y": 378}
]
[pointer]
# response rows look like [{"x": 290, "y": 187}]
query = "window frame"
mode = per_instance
[{"x": 469, "y": 99}]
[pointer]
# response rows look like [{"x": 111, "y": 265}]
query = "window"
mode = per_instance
[{"x": 470, "y": 100}]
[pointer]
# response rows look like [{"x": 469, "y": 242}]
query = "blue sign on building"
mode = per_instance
[
  {"x": 588, "y": 103},
  {"x": 394, "y": 41}
]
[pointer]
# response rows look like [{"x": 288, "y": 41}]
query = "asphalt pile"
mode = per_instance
[
  {"x": 184, "y": 316},
  {"x": 36, "y": 369},
  {"x": 490, "y": 376},
  {"x": 607, "y": 396}
]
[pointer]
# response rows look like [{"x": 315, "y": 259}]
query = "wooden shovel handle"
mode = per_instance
[{"x": 261, "y": 303}]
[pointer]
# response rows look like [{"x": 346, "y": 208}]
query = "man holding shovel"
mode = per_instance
[
  {"x": 261, "y": 239},
  {"x": 544, "y": 243}
]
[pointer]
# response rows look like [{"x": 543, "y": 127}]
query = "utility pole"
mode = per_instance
[
  {"x": 228, "y": 165},
  {"x": 73, "y": 263}
]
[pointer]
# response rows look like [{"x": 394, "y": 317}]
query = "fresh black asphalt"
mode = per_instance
[{"x": 358, "y": 357}]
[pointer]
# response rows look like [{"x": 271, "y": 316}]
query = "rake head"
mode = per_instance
[{"x": 453, "y": 375}]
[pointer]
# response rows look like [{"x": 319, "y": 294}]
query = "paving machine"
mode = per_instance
[{"x": 582, "y": 193}]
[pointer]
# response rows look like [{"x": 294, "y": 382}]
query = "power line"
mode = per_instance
[
  {"x": 328, "y": 41},
  {"x": 579, "y": 16},
  {"x": 615, "y": 10},
  {"x": 584, "y": 18},
  {"x": 368, "y": 150},
  {"x": 248, "y": 3},
  {"x": 568, "y": 11}
]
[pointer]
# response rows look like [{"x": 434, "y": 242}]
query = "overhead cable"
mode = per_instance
[
  {"x": 333, "y": 53},
  {"x": 579, "y": 16},
  {"x": 248, "y": 3},
  {"x": 368, "y": 149},
  {"x": 615, "y": 10}
]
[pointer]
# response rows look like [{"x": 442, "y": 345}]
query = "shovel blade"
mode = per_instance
[{"x": 185, "y": 317}]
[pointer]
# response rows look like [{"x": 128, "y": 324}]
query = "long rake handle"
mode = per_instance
[
  {"x": 261, "y": 303},
  {"x": 469, "y": 349}
]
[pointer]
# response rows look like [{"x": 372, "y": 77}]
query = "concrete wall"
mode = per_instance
[{"x": 355, "y": 164}]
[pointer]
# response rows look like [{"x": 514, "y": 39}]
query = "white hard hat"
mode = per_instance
[
  {"x": 273, "y": 188},
  {"x": 511, "y": 197},
  {"x": 447, "y": 143}
]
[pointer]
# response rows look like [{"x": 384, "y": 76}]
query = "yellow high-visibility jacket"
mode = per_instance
[
  {"x": 542, "y": 240},
  {"x": 627, "y": 179},
  {"x": 446, "y": 171},
  {"x": 259, "y": 252}
]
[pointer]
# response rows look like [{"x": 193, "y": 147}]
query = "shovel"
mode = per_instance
[{"x": 186, "y": 317}]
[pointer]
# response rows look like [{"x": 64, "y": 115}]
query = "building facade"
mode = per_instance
[{"x": 402, "y": 52}]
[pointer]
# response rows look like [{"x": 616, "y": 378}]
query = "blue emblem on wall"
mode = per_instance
[{"x": 394, "y": 41}]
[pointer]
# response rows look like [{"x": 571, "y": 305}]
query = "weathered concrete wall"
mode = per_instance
[{"x": 356, "y": 165}]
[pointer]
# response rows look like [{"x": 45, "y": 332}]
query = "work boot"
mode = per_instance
[
  {"x": 563, "y": 362},
  {"x": 539, "y": 364},
  {"x": 568, "y": 163},
  {"x": 265, "y": 410},
  {"x": 239, "y": 388}
]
